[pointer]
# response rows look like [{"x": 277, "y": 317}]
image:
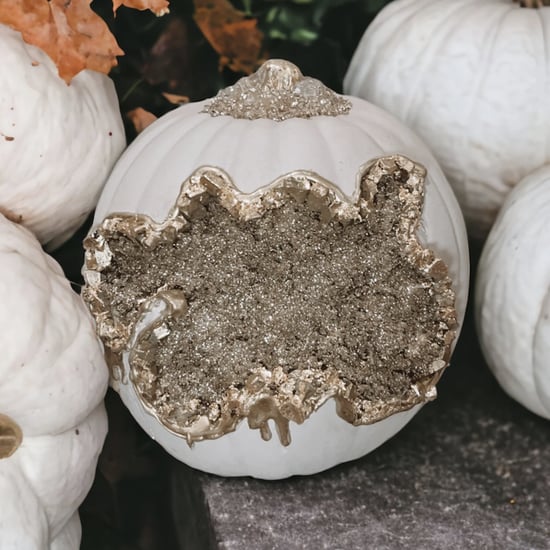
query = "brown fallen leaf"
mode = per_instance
[
  {"x": 69, "y": 31},
  {"x": 169, "y": 60},
  {"x": 235, "y": 37},
  {"x": 181, "y": 62},
  {"x": 175, "y": 99},
  {"x": 140, "y": 118},
  {"x": 158, "y": 7}
]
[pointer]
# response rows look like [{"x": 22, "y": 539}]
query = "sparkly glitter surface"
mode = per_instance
[
  {"x": 277, "y": 91},
  {"x": 275, "y": 302}
]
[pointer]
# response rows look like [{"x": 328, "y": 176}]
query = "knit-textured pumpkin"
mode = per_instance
[
  {"x": 471, "y": 78},
  {"x": 58, "y": 142},
  {"x": 513, "y": 294},
  {"x": 277, "y": 257},
  {"x": 53, "y": 379}
]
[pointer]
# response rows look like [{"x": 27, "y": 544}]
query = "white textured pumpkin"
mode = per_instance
[
  {"x": 513, "y": 294},
  {"x": 58, "y": 142},
  {"x": 471, "y": 78},
  {"x": 255, "y": 153},
  {"x": 53, "y": 379}
]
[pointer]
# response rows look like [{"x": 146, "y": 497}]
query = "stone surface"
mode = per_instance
[{"x": 472, "y": 470}]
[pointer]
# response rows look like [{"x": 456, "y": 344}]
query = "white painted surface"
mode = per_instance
[
  {"x": 58, "y": 143},
  {"x": 53, "y": 379},
  {"x": 148, "y": 178},
  {"x": 513, "y": 294}
]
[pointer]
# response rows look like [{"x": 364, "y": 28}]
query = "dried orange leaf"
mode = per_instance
[
  {"x": 140, "y": 118},
  {"x": 235, "y": 38},
  {"x": 158, "y": 7},
  {"x": 176, "y": 99},
  {"x": 69, "y": 31}
]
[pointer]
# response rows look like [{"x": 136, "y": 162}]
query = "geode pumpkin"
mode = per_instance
[{"x": 279, "y": 257}]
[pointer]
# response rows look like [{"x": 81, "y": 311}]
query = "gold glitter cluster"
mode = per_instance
[
  {"x": 277, "y": 91},
  {"x": 264, "y": 306}
]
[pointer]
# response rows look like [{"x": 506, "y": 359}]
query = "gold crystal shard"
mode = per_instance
[{"x": 262, "y": 306}]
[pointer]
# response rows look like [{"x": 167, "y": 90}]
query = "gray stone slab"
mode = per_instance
[{"x": 472, "y": 470}]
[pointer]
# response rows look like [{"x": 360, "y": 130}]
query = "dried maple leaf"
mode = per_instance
[
  {"x": 175, "y": 99},
  {"x": 69, "y": 31},
  {"x": 140, "y": 118},
  {"x": 181, "y": 62},
  {"x": 158, "y": 7},
  {"x": 235, "y": 38}
]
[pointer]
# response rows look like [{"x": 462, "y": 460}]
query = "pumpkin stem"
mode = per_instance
[
  {"x": 533, "y": 3},
  {"x": 10, "y": 436},
  {"x": 277, "y": 91}
]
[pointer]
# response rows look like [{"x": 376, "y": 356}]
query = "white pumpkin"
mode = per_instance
[
  {"x": 513, "y": 294},
  {"x": 53, "y": 379},
  {"x": 58, "y": 142},
  {"x": 272, "y": 130},
  {"x": 471, "y": 78}
]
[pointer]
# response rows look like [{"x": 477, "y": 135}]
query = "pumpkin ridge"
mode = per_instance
[
  {"x": 423, "y": 70},
  {"x": 481, "y": 77}
]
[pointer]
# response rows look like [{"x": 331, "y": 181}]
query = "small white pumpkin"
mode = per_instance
[
  {"x": 513, "y": 294},
  {"x": 53, "y": 379},
  {"x": 471, "y": 78},
  {"x": 58, "y": 142},
  {"x": 272, "y": 135}
]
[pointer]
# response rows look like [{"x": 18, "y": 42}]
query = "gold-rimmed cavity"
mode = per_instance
[{"x": 267, "y": 305}]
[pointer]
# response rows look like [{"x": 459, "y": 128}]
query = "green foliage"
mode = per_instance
[{"x": 298, "y": 21}]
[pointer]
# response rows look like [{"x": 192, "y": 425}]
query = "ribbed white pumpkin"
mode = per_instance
[
  {"x": 472, "y": 79},
  {"x": 254, "y": 153},
  {"x": 58, "y": 142},
  {"x": 52, "y": 381},
  {"x": 513, "y": 294}
]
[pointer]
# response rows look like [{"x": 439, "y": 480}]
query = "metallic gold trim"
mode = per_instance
[{"x": 266, "y": 393}]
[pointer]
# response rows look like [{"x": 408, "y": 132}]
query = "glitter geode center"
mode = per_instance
[{"x": 275, "y": 302}]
